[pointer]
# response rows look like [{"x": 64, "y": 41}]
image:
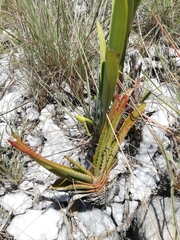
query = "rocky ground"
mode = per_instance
[{"x": 31, "y": 210}]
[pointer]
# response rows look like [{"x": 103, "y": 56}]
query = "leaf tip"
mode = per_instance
[{"x": 12, "y": 139}]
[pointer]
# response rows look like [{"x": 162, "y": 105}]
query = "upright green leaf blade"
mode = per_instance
[
  {"x": 118, "y": 26},
  {"x": 102, "y": 42},
  {"x": 136, "y": 4},
  {"x": 110, "y": 76},
  {"x": 121, "y": 20},
  {"x": 114, "y": 52}
]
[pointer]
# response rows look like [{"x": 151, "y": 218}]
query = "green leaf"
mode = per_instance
[
  {"x": 118, "y": 26},
  {"x": 58, "y": 169},
  {"x": 146, "y": 96},
  {"x": 107, "y": 136},
  {"x": 136, "y": 4},
  {"x": 114, "y": 52},
  {"x": 102, "y": 42},
  {"x": 129, "y": 122},
  {"x": 110, "y": 76},
  {"x": 63, "y": 185},
  {"x": 122, "y": 15},
  {"x": 106, "y": 140}
]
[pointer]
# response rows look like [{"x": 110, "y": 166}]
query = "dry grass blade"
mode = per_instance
[{"x": 166, "y": 34}]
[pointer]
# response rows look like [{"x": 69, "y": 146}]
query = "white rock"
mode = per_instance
[
  {"x": 80, "y": 8},
  {"x": 117, "y": 212},
  {"x": 152, "y": 52},
  {"x": 70, "y": 119},
  {"x": 47, "y": 112},
  {"x": 4, "y": 130},
  {"x": 50, "y": 130},
  {"x": 57, "y": 144},
  {"x": 3, "y": 78},
  {"x": 120, "y": 197},
  {"x": 25, "y": 185},
  {"x": 63, "y": 234},
  {"x": 34, "y": 141},
  {"x": 66, "y": 87},
  {"x": 143, "y": 182},
  {"x": 32, "y": 114},
  {"x": 2, "y": 191},
  {"x": 120, "y": 166},
  {"x": 160, "y": 163},
  {"x": 81, "y": 232},
  {"x": 36, "y": 225},
  {"x": 96, "y": 222},
  {"x": 39, "y": 173},
  {"x": 133, "y": 206},
  {"x": 108, "y": 211},
  {"x": 172, "y": 52},
  {"x": 155, "y": 220},
  {"x": 177, "y": 61},
  {"x": 7, "y": 103},
  {"x": 149, "y": 146},
  {"x": 18, "y": 203},
  {"x": 4, "y": 63}
]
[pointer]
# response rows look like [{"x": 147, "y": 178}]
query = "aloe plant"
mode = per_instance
[
  {"x": 105, "y": 157},
  {"x": 113, "y": 55}
]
